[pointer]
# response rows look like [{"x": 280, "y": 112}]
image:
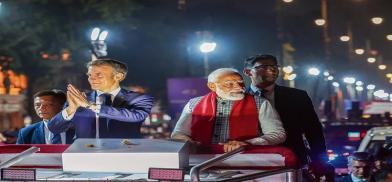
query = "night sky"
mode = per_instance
[{"x": 157, "y": 39}]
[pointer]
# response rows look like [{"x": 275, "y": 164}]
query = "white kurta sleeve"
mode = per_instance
[
  {"x": 182, "y": 130},
  {"x": 272, "y": 129}
]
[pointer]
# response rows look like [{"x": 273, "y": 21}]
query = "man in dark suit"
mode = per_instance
[
  {"x": 294, "y": 107},
  {"x": 108, "y": 111},
  {"x": 47, "y": 104},
  {"x": 360, "y": 165}
]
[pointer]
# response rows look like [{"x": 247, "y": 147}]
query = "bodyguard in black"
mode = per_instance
[{"x": 294, "y": 107}]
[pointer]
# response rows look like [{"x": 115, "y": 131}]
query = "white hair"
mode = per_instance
[{"x": 213, "y": 76}]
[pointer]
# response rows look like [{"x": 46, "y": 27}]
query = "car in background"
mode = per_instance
[{"x": 376, "y": 138}]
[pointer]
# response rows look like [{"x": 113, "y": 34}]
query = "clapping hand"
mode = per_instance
[{"x": 77, "y": 97}]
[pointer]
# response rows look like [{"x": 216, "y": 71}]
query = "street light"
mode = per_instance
[
  {"x": 389, "y": 37},
  {"x": 314, "y": 71},
  {"x": 349, "y": 80},
  {"x": 205, "y": 48},
  {"x": 370, "y": 91},
  {"x": 292, "y": 76},
  {"x": 330, "y": 78},
  {"x": 326, "y": 73},
  {"x": 370, "y": 87},
  {"x": 359, "y": 88},
  {"x": 288, "y": 69},
  {"x": 344, "y": 38},
  {"x": 335, "y": 84},
  {"x": 377, "y": 20},
  {"x": 359, "y": 83},
  {"x": 359, "y": 51},
  {"x": 371, "y": 60},
  {"x": 320, "y": 22},
  {"x": 99, "y": 47},
  {"x": 382, "y": 66},
  {"x": 288, "y": 1}
]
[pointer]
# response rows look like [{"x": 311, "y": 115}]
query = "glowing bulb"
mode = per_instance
[
  {"x": 359, "y": 83},
  {"x": 371, "y": 87},
  {"x": 389, "y": 37},
  {"x": 359, "y": 51},
  {"x": 314, "y": 71},
  {"x": 320, "y": 22},
  {"x": 288, "y": 69},
  {"x": 377, "y": 20},
  {"x": 292, "y": 76},
  {"x": 371, "y": 60},
  {"x": 349, "y": 80},
  {"x": 344, "y": 38},
  {"x": 382, "y": 66}
]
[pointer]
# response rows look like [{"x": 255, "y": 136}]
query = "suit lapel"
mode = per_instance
[
  {"x": 277, "y": 96},
  {"x": 119, "y": 99},
  {"x": 39, "y": 133},
  {"x": 91, "y": 96}
]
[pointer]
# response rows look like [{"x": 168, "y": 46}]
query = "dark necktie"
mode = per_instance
[
  {"x": 56, "y": 139},
  {"x": 107, "y": 99},
  {"x": 103, "y": 121}
]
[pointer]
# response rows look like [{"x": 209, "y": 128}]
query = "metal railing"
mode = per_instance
[
  {"x": 19, "y": 157},
  {"x": 293, "y": 175}
]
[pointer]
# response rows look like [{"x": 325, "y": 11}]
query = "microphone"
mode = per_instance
[{"x": 98, "y": 101}]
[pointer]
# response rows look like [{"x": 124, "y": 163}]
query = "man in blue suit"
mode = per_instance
[
  {"x": 108, "y": 111},
  {"x": 47, "y": 104}
]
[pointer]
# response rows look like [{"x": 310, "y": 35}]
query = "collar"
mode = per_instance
[
  {"x": 356, "y": 179},
  {"x": 113, "y": 92},
  {"x": 268, "y": 89},
  {"x": 45, "y": 123}
]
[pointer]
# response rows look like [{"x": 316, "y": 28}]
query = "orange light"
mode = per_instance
[
  {"x": 66, "y": 55},
  {"x": 45, "y": 56}
]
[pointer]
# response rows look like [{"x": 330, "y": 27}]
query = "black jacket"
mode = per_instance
[{"x": 297, "y": 114}]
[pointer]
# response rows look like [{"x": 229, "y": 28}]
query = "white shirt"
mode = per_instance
[
  {"x": 113, "y": 94},
  {"x": 49, "y": 135},
  {"x": 356, "y": 179},
  {"x": 270, "y": 124}
]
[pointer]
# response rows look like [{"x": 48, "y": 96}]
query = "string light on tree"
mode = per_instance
[
  {"x": 377, "y": 20},
  {"x": 314, "y": 71},
  {"x": 320, "y": 22},
  {"x": 359, "y": 51},
  {"x": 288, "y": 1},
  {"x": 389, "y": 37},
  {"x": 382, "y": 66},
  {"x": 371, "y": 60},
  {"x": 344, "y": 38}
]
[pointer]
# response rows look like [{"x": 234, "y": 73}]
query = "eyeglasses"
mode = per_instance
[
  {"x": 231, "y": 84},
  {"x": 266, "y": 66}
]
